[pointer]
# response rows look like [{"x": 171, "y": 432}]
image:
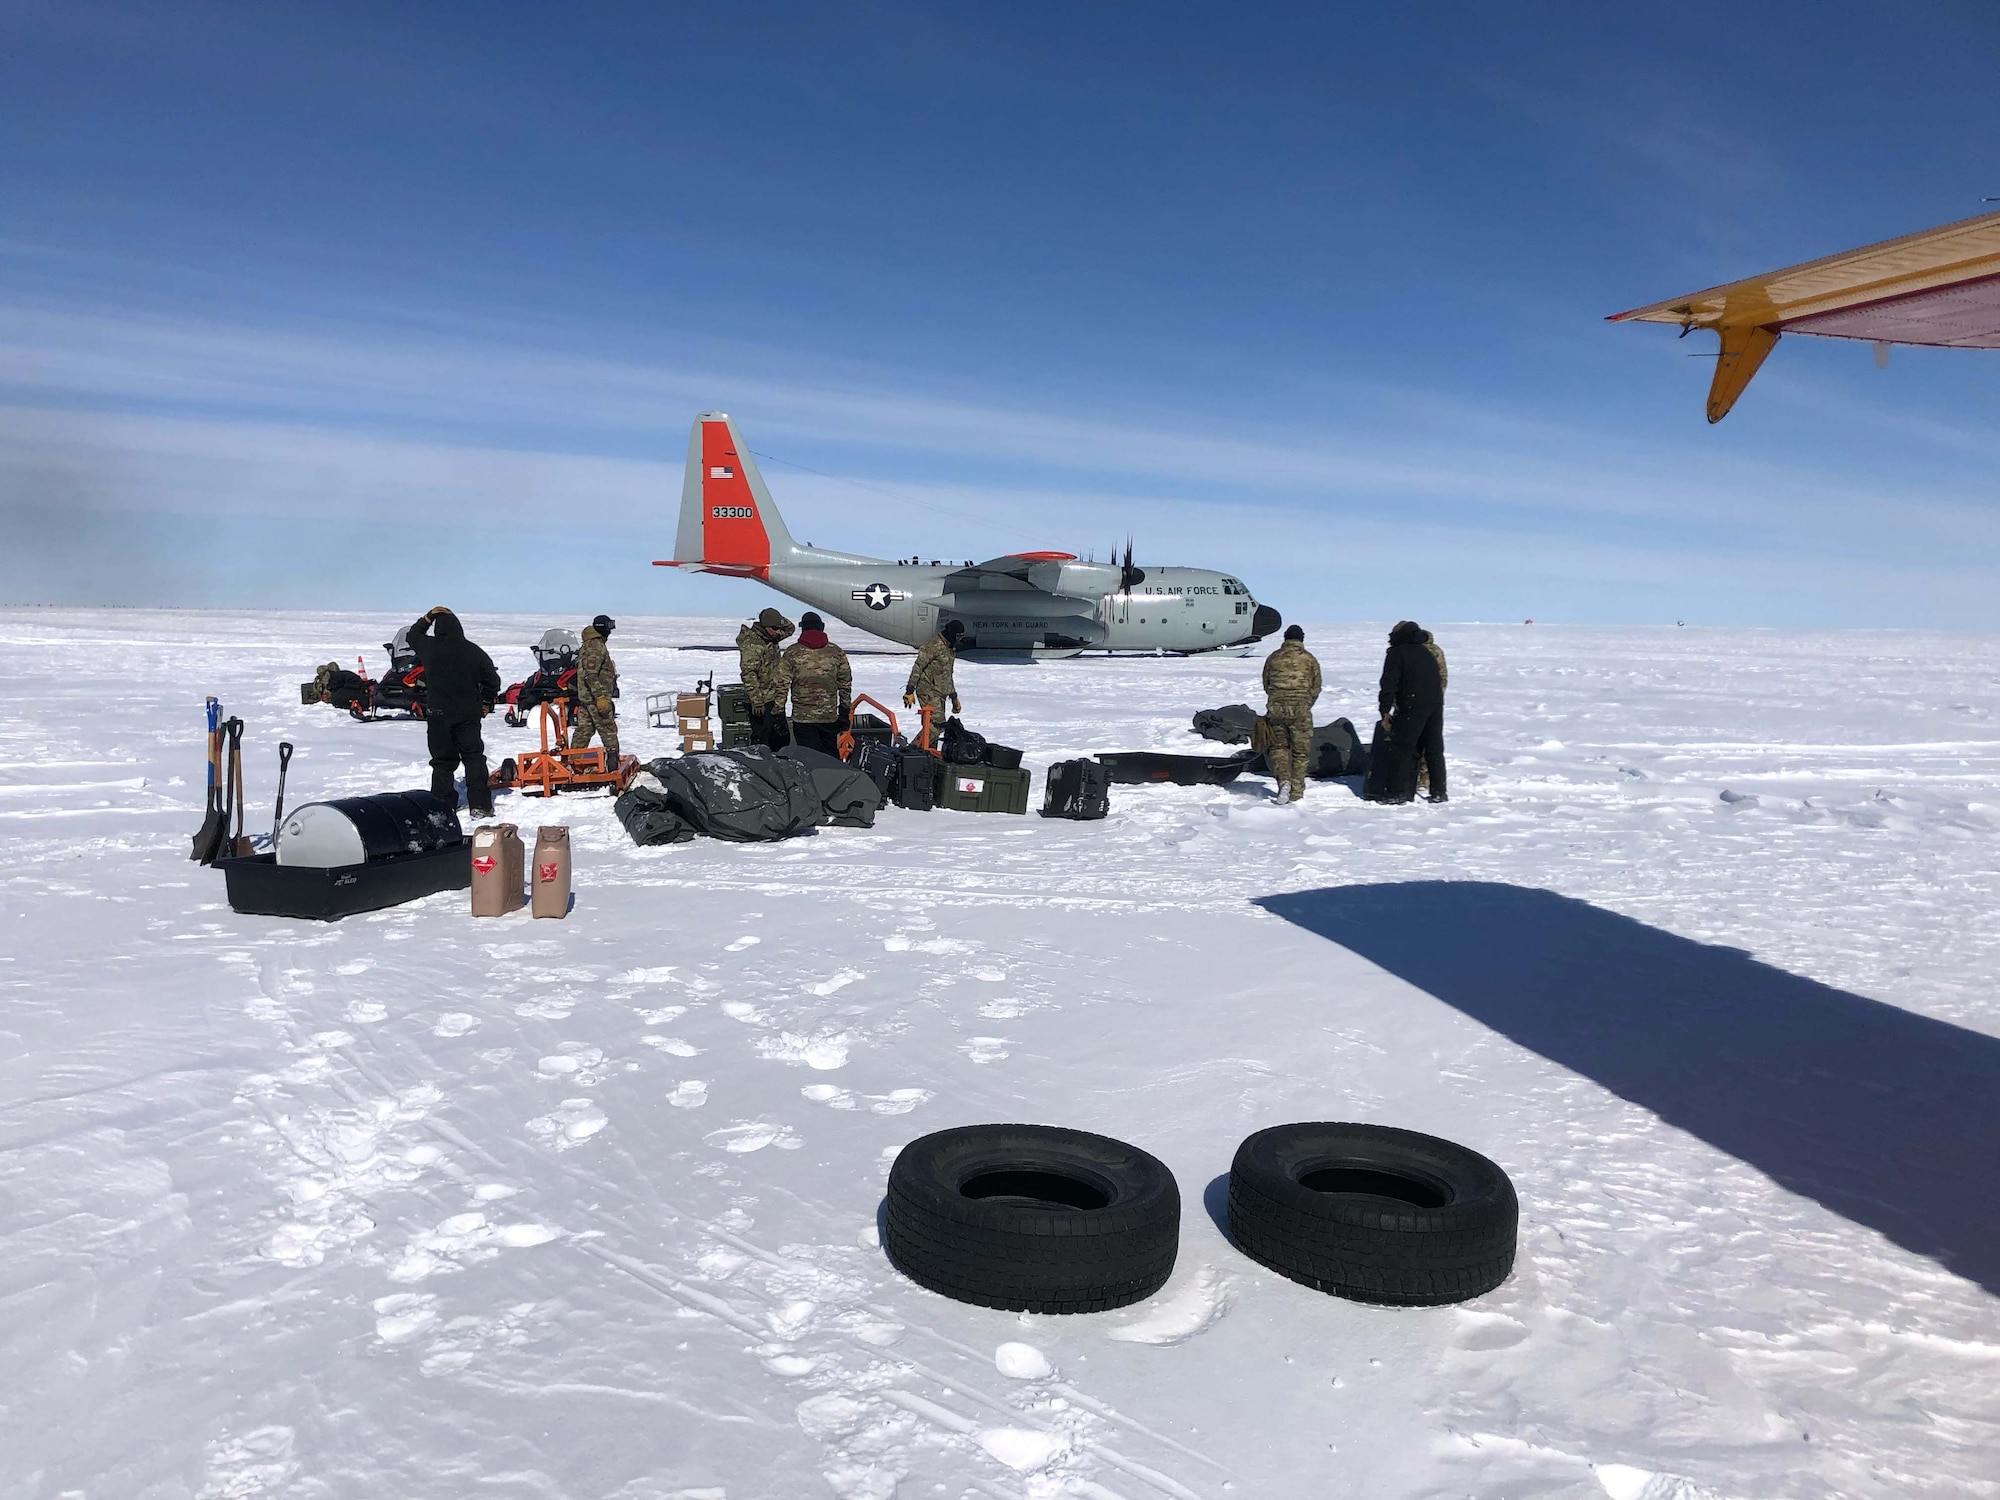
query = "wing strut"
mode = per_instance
[{"x": 1743, "y": 350}]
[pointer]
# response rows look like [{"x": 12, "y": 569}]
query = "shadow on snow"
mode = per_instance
[{"x": 1889, "y": 1118}]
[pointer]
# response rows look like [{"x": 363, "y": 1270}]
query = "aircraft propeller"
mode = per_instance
[{"x": 1128, "y": 575}]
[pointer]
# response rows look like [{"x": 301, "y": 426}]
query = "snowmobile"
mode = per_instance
[
  {"x": 398, "y": 693},
  {"x": 401, "y": 689},
  {"x": 554, "y": 677}
]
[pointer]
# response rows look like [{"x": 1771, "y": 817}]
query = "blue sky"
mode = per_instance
[{"x": 370, "y": 306}]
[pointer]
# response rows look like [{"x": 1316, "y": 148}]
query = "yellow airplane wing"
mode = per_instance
[{"x": 1939, "y": 287}]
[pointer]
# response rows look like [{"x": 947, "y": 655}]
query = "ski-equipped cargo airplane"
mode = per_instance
[
  {"x": 1938, "y": 287},
  {"x": 1027, "y": 604}
]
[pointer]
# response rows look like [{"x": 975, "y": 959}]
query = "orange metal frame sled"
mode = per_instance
[
  {"x": 557, "y": 768},
  {"x": 846, "y": 740}
]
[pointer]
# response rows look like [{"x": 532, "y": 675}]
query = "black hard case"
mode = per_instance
[{"x": 1078, "y": 789}]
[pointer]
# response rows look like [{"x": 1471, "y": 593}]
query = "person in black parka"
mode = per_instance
[
  {"x": 460, "y": 687},
  {"x": 1412, "y": 700}
]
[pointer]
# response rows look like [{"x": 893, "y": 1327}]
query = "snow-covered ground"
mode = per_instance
[{"x": 1703, "y": 951}]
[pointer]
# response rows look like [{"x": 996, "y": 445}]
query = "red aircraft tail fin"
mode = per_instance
[{"x": 729, "y": 523}]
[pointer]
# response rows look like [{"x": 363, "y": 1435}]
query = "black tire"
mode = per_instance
[
  {"x": 1032, "y": 1218},
  {"x": 1373, "y": 1213}
]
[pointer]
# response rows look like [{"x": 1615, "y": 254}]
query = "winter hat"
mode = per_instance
[
  {"x": 604, "y": 624},
  {"x": 953, "y": 630},
  {"x": 1294, "y": 633},
  {"x": 770, "y": 619},
  {"x": 810, "y": 620}
]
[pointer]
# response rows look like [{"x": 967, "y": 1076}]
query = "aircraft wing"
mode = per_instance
[
  {"x": 1938, "y": 287},
  {"x": 1045, "y": 572}
]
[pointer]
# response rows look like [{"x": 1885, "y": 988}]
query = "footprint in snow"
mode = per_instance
[
  {"x": 824, "y": 1052},
  {"x": 746, "y": 941},
  {"x": 690, "y": 1094},
  {"x": 454, "y": 1023},
  {"x": 672, "y": 1045},
  {"x": 403, "y": 1315},
  {"x": 895, "y": 1102},
  {"x": 576, "y": 1062},
  {"x": 550, "y": 1008},
  {"x": 986, "y": 1049},
  {"x": 662, "y": 975},
  {"x": 1178, "y": 1318},
  {"x": 835, "y": 984},
  {"x": 755, "y": 1135},
  {"x": 364, "y": 1012},
  {"x": 571, "y": 1125}
]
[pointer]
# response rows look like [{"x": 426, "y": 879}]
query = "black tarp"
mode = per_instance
[
  {"x": 847, "y": 793},
  {"x": 745, "y": 795}
]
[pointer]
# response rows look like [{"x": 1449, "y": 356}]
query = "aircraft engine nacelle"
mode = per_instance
[{"x": 1077, "y": 580}]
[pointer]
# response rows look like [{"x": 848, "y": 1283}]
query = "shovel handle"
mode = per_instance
[{"x": 284, "y": 764}]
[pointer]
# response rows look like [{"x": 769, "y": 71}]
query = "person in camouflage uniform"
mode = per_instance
[
  {"x": 814, "y": 674},
  {"x": 1291, "y": 687},
  {"x": 1444, "y": 681},
  {"x": 596, "y": 686},
  {"x": 757, "y": 653},
  {"x": 931, "y": 677}
]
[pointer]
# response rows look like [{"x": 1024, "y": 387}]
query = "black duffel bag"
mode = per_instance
[
  {"x": 649, "y": 817},
  {"x": 1231, "y": 724}
]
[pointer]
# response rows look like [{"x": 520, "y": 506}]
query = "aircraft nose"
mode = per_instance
[{"x": 1265, "y": 621}]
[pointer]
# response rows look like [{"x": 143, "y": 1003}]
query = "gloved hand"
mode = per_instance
[
  {"x": 909, "y": 700},
  {"x": 956, "y": 707},
  {"x": 845, "y": 722},
  {"x": 603, "y": 704}
]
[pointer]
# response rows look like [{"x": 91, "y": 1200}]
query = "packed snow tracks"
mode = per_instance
[
  {"x": 1373, "y": 1213},
  {"x": 1032, "y": 1218}
]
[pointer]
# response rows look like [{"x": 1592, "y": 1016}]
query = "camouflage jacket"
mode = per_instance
[
  {"x": 596, "y": 672},
  {"x": 759, "y": 656},
  {"x": 1291, "y": 681},
  {"x": 931, "y": 679},
  {"x": 818, "y": 680},
  {"x": 1437, "y": 651}
]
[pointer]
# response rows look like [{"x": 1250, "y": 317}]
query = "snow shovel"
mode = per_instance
[
  {"x": 208, "y": 841},
  {"x": 284, "y": 764},
  {"x": 239, "y": 846}
]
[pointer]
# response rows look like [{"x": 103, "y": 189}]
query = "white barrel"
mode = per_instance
[{"x": 321, "y": 836}]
